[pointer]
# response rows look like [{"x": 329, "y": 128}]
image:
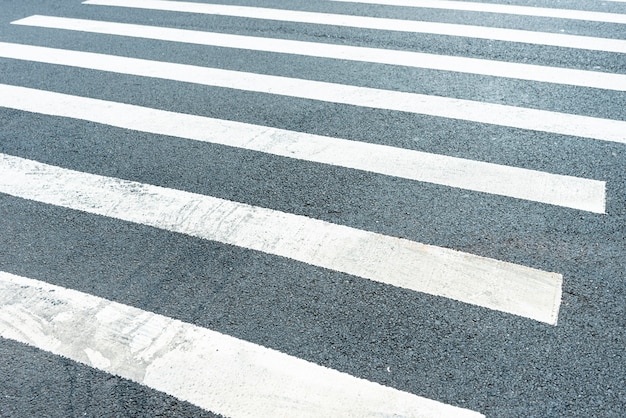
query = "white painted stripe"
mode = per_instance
[
  {"x": 520, "y": 71},
  {"x": 586, "y": 15},
  {"x": 399, "y": 262},
  {"x": 468, "y": 110},
  {"x": 363, "y": 22},
  {"x": 572, "y": 192},
  {"x": 214, "y": 371}
]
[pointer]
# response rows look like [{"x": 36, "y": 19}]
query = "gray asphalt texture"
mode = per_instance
[{"x": 498, "y": 364}]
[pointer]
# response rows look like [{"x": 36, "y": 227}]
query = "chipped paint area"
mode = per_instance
[
  {"x": 438, "y": 271},
  {"x": 211, "y": 370}
]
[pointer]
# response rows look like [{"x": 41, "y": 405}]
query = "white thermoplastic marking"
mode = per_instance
[
  {"x": 519, "y": 71},
  {"x": 468, "y": 110},
  {"x": 214, "y": 371},
  {"x": 399, "y": 262},
  {"x": 364, "y": 22},
  {"x": 587, "y": 15},
  {"x": 566, "y": 191}
]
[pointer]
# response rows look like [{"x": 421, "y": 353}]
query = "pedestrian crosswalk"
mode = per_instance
[
  {"x": 502, "y": 9},
  {"x": 484, "y": 282},
  {"x": 567, "y": 191},
  {"x": 557, "y": 75},
  {"x": 192, "y": 363},
  {"x": 496, "y": 114},
  {"x": 234, "y": 377},
  {"x": 365, "y": 22}
]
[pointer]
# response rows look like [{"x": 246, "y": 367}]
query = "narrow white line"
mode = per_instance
[
  {"x": 480, "y": 32},
  {"x": 591, "y": 16},
  {"x": 398, "y": 262},
  {"x": 520, "y": 71},
  {"x": 566, "y": 191},
  {"x": 468, "y": 110},
  {"x": 214, "y": 371}
]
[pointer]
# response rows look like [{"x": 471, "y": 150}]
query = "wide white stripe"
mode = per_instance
[
  {"x": 520, "y": 71},
  {"x": 214, "y": 371},
  {"x": 501, "y": 9},
  {"x": 399, "y": 262},
  {"x": 496, "y": 114},
  {"x": 480, "y": 32},
  {"x": 479, "y": 176}
]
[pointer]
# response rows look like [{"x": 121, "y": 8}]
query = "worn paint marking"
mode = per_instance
[
  {"x": 399, "y": 262},
  {"x": 214, "y": 371}
]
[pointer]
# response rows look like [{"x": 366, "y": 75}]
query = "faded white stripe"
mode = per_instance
[
  {"x": 480, "y": 32},
  {"x": 591, "y": 16},
  {"x": 399, "y": 262},
  {"x": 496, "y": 114},
  {"x": 214, "y": 371},
  {"x": 519, "y": 71},
  {"x": 572, "y": 192}
]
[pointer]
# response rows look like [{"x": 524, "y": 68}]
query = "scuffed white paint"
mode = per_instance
[
  {"x": 566, "y": 191},
  {"x": 573, "y": 77},
  {"x": 365, "y": 22},
  {"x": 214, "y": 371},
  {"x": 97, "y": 360},
  {"x": 399, "y": 262}
]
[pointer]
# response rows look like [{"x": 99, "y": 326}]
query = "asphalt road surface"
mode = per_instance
[{"x": 312, "y": 208}]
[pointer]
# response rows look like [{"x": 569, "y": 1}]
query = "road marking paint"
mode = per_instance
[
  {"x": 554, "y": 189},
  {"x": 510, "y": 9},
  {"x": 520, "y": 71},
  {"x": 364, "y": 22},
  {"x": 214, "y": 371},
  {"x": 464, "y": 277},
  {"x": 461, "y": 109}
]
